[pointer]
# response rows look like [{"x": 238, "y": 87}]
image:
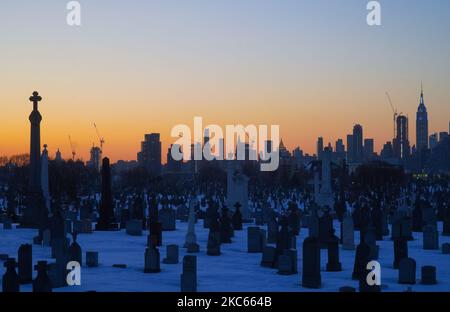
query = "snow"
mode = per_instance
[{"x": 234, "y": 270}]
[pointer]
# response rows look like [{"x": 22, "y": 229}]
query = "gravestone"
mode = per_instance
[
  {"x": 407, "y": 271},
  {"x": 370, "y": 240},
  {"x": 167, "y": 219},
  {"x": 191, "y": 238},
  {"x": 46, "y": 237},
  {"x": 268, "y": 257},
  {"x": 348, "y": 237},
  {"x": 171, "y": 254},
  {"x": 429, "y": 216},
  {"x": 313, "y": 225},
  {"x": 57, "y": 271},
  {"x": 446, "y": 248},
  {"x": 364, "y": 286},
  {"x": 255, "y": 239},
  {"x": 325, "y": 227},
  {"x": 213, "y": 246},
  {"x": 272, "y": 229},
  {"x": 333, "y": 264},
  {"x": 75, "y": 253},
  {"x": 152, "y": 260},
  {"x": 134, "y": 227},
  {"x": 311, "y": 277},
  {"x": 430, "y": 237},
  {"x": 25, "y": 264},
  {"x": 155, "y": 234},
  {"x": 189, "y": 275},
  {"x": 237, "y": 188},
  {"x": 400, "y": 251},
  {"x": 10, "y": 280},
  {"x": 237, "y": 217},
  {"x": 428, "y": 275},
  {"x": 406, "y": 229},
  {"x": 287, "y": 262},
  {"x": 59, "y": 246},
  {"x": 361, "y": 260},
  {"x": 225, "y": 227},
  {"x": 106, "y": 221},
  {"x": 42, "y": 282},
  {"x": 92, "y": 259}
]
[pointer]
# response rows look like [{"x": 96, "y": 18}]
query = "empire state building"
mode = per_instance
[{"x": 421, "y": 125}]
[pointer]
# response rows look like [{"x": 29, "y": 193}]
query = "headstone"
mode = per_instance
[
  {"x": 167, "y": 219},
  {"x": 237, "y": 188},
  {"x": 75, "y": 253},
  {"x": 430, "y": 237},
  {"x": 287, "y": 262},
  {"x": 361, "y": 260},
  {"x": 364, "y": 286},
  {"x": 152, "y": 260},
  {"x": 406, "y": 229},
  {"x": 400, "y": 251},
  {"x": 311, "y": 277},
  {"x": 46, "y": 237},
  {"x": 313, "y": 225},
  {"x": 155, "y": 233},
  {"x": 106, "y": 220},
  {"x": 333, "y": 264},
  {"x": 42, "y": 282},
  {"x": 25, "y": 265},
  {"x": 268, "y": 257},
  {"x": 10, "y": 280},
  {"x": 348, "y": 237},
  {"x": 370, "y": 240},
  {"x": 171, "y": 254},
  {"x": 189, "y": 275},
  {"x": 191, "y": 238},
  {"x": 407, "y": 271},
  {"x": 237, "y": 217},
  {"x": 92, "y": 259},
  {"x": 59, "y": 246},
  {"x": 57, "y": 272},
  {"x": 255, "y": 239},
  {"x": 428, "y": 275},
  {"x": 446, "y": 248},
  {"x": 134, "y": 227},
  {"x": 272, "y": 230},
  {"x": 325, "y": 227},
  {"x": 213, "y": 246},
  {"x": 225, "y": 227}
]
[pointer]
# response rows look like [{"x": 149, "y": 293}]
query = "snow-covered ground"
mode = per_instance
[{"x": 234, "y": 270}]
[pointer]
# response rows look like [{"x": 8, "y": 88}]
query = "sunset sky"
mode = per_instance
[{"x": 314, "y": 67}]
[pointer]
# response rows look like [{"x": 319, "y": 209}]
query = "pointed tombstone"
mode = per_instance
[
  {"x": 428, "y": 275},
  {"x": 10, "y": 280},
  {"x": 333, "y": 264},
  {"x": 171, "y": 254},
  {"x": 75, "y": 253},
  {"x": 348, "y": 237},
  {"x": 42, "y": 282},
  {"x": 311, "y": 277},
  {"x": 152, "y": 260},
  {"x": 237, "y": 217},
  {"x": 361, "y": 260},
  {"x": 25, "y": 265},
  {"x": 189, "y": 275},
  {"x": 430, "y": 237},
  {"x": 400, "y": 251},
  {"x": 191, "y": 239},
  {"x": 407, "y": 271}
]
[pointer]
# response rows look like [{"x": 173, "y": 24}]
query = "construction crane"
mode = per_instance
[
  {"x": 394, "y": 110},
  {"x": 101, "y": 140},
  {"x": 72, "y": 147}
]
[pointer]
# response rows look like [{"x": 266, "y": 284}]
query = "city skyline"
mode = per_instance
[{"x": 147, "y": 77}]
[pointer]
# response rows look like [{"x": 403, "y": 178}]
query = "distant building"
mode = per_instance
[
  {"x": 319, "y": 147},
  {"x": 421, "y": 125},
  {"x": 95, "y": 159},
  {"x": 368, "y": 149},
  {"x": 298, "y": 156},
  {"x": 433, "y": 140},
  {"x": 402, "y": 148},
  {"x": 339, "y": 154},
  {"x": 358, "y": 144},
  {"x": 150, "y": 155},
  {"x": 172, "y": 164},
  {"x": 350, "y": 151},
  {"x": 58, "y": 156},
  {"x": 442, "y": 136}
]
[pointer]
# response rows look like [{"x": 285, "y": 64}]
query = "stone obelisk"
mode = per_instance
[
  {"x": 44, "y": 177},
  {"x": 34, "y": 213}
]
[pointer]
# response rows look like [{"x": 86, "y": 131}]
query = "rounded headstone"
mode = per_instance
[{"x": 428, "y": 275}]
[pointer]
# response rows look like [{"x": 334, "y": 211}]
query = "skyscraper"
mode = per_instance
[
  {"x": 350, "y": 151},
  {"x": 433, "y": 140},
  {"x": 150, "y": 155},
  {"x": 368, "y": 149},
  {"x": 96, "y": 156},
  {"x": 319, "y": 148},
  {"x": 421, "y": 125},
  {"x": 357, "y": 144},
  {"x": 401, "y": 141}
]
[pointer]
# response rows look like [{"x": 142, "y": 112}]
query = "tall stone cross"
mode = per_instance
[{"x": 35, "y": 98}]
